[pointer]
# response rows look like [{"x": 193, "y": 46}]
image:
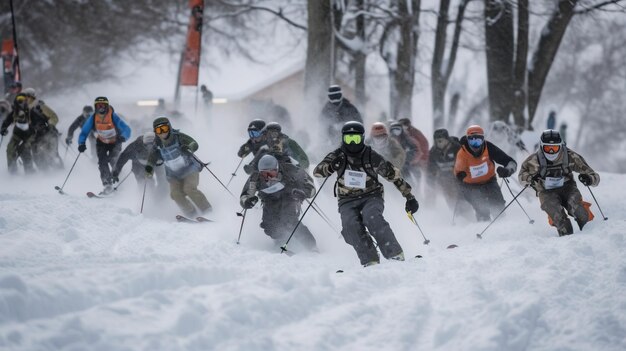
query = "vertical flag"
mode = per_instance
[
  {"x": 10, "y": 64},
  {"x": 191, "y": 55}
]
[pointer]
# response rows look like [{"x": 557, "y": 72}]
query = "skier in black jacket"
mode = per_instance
[{"x": 337, "y": 111}]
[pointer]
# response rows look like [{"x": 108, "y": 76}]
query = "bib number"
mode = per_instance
[
  {"x": 22, "y": 126},
  {"x": 107, "y": 135},
  {"x": 355, "y": 179},
  {"x": 553, "y": 182},
  {"x": 176, "y": 164},
  {"x": 479, "y": 171}
]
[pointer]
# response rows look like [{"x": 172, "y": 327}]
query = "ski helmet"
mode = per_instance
[
  {"x": 334, "y": 94},
  {"x": 551, "y": 144},
  {"x": 162, "y": 125},
  {"x": 101, "y": 104},
  {"x": 405, "y": 121},
  {"x": 475, "y": 137},
  {"x": 352, "y": 137},
  {"x": 87, "y": 109},
  {"x": 352, "y": 127},
  {"x": 441, "y": 134},
  {"x": 268, "y": 162},
  {"x": 395, "y": 128},
  {"x": 30, "y": 92},
  {"x": 255, "y": 128},
  {"x": 273, "y": 127},
  {"x": 378, "y": 130}
]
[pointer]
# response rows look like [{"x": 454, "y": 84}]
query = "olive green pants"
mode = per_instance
[{"x": 182, "y": 190}]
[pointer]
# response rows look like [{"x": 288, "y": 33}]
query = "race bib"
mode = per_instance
[
  {"x": 480, "y": 170},
  {"x": 22, "y": 126},
  {"x": 176, "y": 164},
  {"x": 553, "y": 182},
  {"x": 274, "y": 188},
  {"x": 354, "y": 179},
  {"x": 107, "y": 134}
]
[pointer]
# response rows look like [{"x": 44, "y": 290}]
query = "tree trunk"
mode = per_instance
[
  {"x": 548, "y": 45},
  {"x": 360, "y": 61},
  {"x": 437, "y": 83},
  {"x": 317, "y": 71},
  {"x": 521, "y": 57},
  {"x": 499, "y": 50},
  {"x": 408, "y": 11}
]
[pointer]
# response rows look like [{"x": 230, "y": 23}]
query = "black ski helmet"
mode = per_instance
[
  {"x": 551, "y": 136},
  {"x": 352, "y": 127},
  {"x": 273, "y": 127},
  {"x": 257, "y": 124},
  {"x": 441, "y": 134}
]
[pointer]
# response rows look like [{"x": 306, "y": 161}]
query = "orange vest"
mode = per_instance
[
  {"x": 105, "y": 129},
  {"x": 478, "y": 169}
]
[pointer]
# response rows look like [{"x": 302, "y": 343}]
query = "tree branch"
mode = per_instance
[{"x": 599, "y": 6}]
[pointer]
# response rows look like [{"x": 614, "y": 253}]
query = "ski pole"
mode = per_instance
[
  {"x": 284, "y": 247},
  {"x": 143, "y": 196},
  {"x": 243, "y": 218},
  {"x": 530, "y": 220},
  {"x": 67, "y": 148},
  {"x": 234, "y": 174},
  {"x": 123, "y": 179},
  {"x": 410, "y": 215},
  {"x": 1, "y": 140},
  {"x": 60, "y": 189},
  {"x": 597, "y": 204},
  {"x": 480, "y": 236},
  {"x": 213, "y": 174},
  {"x": 456, "y": 206},
  {"x": 324, "y": 217}
]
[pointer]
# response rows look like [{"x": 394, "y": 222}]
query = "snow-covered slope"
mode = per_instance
[{"x": 93, "y": 274}]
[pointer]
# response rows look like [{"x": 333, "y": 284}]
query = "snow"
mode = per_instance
[{"x": 94, "y": 274}]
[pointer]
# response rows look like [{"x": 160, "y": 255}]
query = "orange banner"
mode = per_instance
[{"x": 191, "y": 56}]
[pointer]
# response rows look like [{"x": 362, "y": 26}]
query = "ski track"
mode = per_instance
[{"x": 92, "y": 274}]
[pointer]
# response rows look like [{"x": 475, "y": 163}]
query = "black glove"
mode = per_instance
[
  {"x": 68, "y": 141},
  {"x": 337, "y": 163},
  {"x": 121, "y": 139},
  {"x": 298, "y": 194},
  {"x": 461, "y": 175},
  {"x": 149, "y": 171},
  {"x": 250, "y": 202},
  {"x": 503, "y": 172},
  {"x": 535, "y": 179},
  {"x": 115, "y": 176},
  {"x": 4, "y": 132},
  {"x": 82, "y": 148},
  {"x": 249, "y": 169},
  {"x": 585, "y": 179},
  {"x": 411, "y": 204}
]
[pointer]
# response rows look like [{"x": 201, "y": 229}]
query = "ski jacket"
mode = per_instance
[
  {"x": 249, "y": 147},
  {"x": 480, "y": 167},
  {"x": 78, "y": 123},
  {"x": 136, "y": 151},
  {"x": 358, "y": 177},
  {"x": 339, "y": 114},
  {"x": 421, "y": 152},
  {"x": 290, "y": 178},
  {"x": 21, "y": 118},
  {"x": 441, "y": 161},
  {"x": 176, "y": 153},
  {"x": 555, "y": 174},
  {"x": 120, "y": 127},
  {"x": 391, "y": 150}
]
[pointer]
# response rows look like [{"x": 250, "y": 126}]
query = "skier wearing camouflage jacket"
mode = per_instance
[
  {"x": 360, "y": 195},
  {"x": 550, "y": 172},
  {"x": 282, "y": 188}
]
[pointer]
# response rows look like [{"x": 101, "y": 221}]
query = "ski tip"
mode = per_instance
[
  {"x": 90, "y": 194},
  {"x": 532, "y": 221},
  {"x": 203, "y": 219},
  {"x": 418, "y": 256},
  {"x": 479, "y": 236},
  {"x": 452, "y": 246},
  {"x": 426, "y": 242},
  {"x": 339, "y": 271},
  {"x": 56, "y": 187}
]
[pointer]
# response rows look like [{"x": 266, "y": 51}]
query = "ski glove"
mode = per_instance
[
  {"x": 68, "y": 141},
  {"x": 250, "y": 202},
  {"x": 503, "y": 172},
  {"x": 82, "y": 148},
  {"x": 121, "y": 139},
  {"x": 411, "y": 204},
  {"x": 460, "y": 176},
  {"x": 535, "y": 179},
  {"x": 298, "y": 194},
  {"x": 585, "y": 179},
  {"x": 4, "y": 132},
  {"x": 248, "y": 168},
  {"x": 149, "y": 171},
  {"x": 337, "y": 164}
]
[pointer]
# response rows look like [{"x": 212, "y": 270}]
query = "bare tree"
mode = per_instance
[{"x": 317, "y": 72}]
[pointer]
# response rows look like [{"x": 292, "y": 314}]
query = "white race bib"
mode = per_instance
[
  {"x": 354, "y": 179},
  {"x": 480, "y": 170},
  {"x": 553, "y": 182},
  {"x": 22, "y": 126},
  {"x": 107, "y": 134},
  {"x": 278, "y": 186},
  {"x": 176, "y": 164}
]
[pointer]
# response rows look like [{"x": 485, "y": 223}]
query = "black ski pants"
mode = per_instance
[
  {"x": 367, "y": 212},
  {"x": 280, "y": 216},
  {"x": 107, "y": 156},
  {"x": 485, "y": 198}
]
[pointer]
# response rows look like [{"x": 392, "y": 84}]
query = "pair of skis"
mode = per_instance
[{"x": 199, "y": 219}]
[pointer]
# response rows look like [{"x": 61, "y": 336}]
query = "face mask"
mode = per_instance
[{"x": 475, "y": 142}]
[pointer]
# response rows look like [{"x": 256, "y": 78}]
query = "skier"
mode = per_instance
[
  {"x": 20, "y": 145},
  {"x": 254, "y": 143},
  {"x": 411, "y": 147},
  {"x": 441, "y": 164},
  {"x": 137, "y": 152},
  {"x": 282, "y": 188},
  {"x": 182, "y": 169},
  {"x": 78, "y": 123},
  {"x": 389, "y": 148},
  {"x": 475, "y": 169},
  {"x": 281, "y": 146},
  {"x": 550, "y": 172},
  {"x": 360, "y": 195},
  {"x": 46, "y": 143},
  {"x": 337, "y": 111},
  {"x": 111, "y": 131},
  {"x": 422, "y": 142}
]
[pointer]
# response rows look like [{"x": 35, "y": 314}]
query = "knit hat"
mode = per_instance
[{"x": 378, "y": 129}]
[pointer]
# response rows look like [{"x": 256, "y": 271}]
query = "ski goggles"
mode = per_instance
[
  {"x": 352, "y": 138},
  {"x": 20, "y": 99},
  {"x": 396, "y": 131},
  {"x": 551, "y": 148},
  {"x": 475, "y": 141},
  {"x": 254, "y": 133},
  {"x": 162, "y": 129},
  {"x": 269, "y": 174},
  {"x": 101, "y": 105}
]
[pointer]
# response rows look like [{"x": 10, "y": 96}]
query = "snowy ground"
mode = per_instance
[{"x": 94, "y": 274}]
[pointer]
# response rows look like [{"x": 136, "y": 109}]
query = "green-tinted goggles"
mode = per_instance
[{"x": 352, "y": 138}]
